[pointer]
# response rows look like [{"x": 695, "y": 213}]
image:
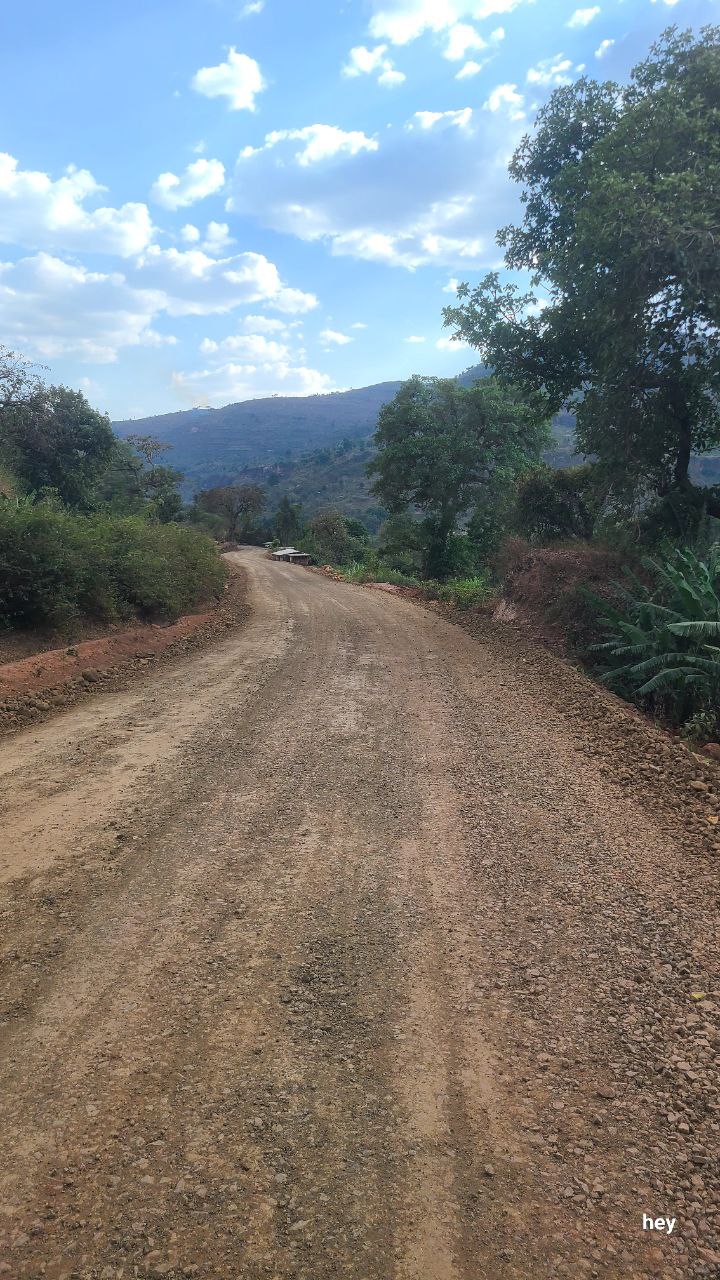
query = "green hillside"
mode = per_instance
[
  {"x": 213, "y": 445},
  {"x": 331, "y": 477}
]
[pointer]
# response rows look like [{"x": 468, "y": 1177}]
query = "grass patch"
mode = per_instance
[{"x": 463, "y": 593}]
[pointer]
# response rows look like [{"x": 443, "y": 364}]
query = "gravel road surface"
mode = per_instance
[{"x": 336, "y": 950}]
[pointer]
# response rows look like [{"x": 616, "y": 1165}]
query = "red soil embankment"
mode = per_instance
[{"x": 31, "y": 687}]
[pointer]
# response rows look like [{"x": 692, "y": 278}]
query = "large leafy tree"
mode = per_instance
[
  {"x": 136, "y": 481},
  {"x": 19, "y": 380},
  {"x": 54, "y": 439},
  {"x": 621, "y": 187},
  {"x": 445, "y": 449},
  {"x": 328, "y": 538},
  {"x": 240, "y": 506},
  {"x": 288, "y": 525}
]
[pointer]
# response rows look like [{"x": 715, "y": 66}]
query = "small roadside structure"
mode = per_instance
[{"x": 292, "y": 556}]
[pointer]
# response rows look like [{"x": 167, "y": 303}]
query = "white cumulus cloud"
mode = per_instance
[
  {"x": 264, "y": 324},
  {"x": 321, "y": 142},
  {"x": 194, "y": 283},
  {"x": 470, "y": 68},
  {"x": 239, "y": 79},
  {"x": 604, "y": 47},
  {"x": 462, "y": 38},
  {"x": 333, "y": 338},
  {"x": 453, "y": 194},
  {"x": 217, "y": 238},
  {"x": 251, "y": 347},
  {"x": 583, "y": 17},
  {"x": 428, "y": 119},
  {"x": 367, "y": 62},
  {"x": 41, "y": 213},
  {"x": 415, "y": 337},
  {"x": 551, "y": 71},
  {"x": 390, "y": 77},
  {"x": 506, "y": 99},
  {"x": 201, "y": 178},
  {"x": 233, "y": 381},
  {"x": 51, "y": 308},
  {"x": 400, "y": 21}
]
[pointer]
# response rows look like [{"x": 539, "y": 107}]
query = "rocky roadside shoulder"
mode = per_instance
[{"x": 659, "y": 770}]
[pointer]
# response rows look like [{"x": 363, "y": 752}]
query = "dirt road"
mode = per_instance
[{"x": 333, "y": 951}]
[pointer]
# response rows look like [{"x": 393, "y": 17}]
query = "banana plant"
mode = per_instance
[{"x": 662, "y": 645}]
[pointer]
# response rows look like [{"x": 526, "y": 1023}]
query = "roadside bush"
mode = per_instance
[
  {"x": 386, "y": 573},
  {"x": 376, "y": 571},
  {"x": 553, "y": 506},
  {"x": 400, "y": 544},
  {"x": 329, "y": 540},
  {"x": 680, "y": 517},
  {"x": 356, "y": 571},
  {"x": 464, "y": 593},
  {"x": 551, "y": 584},
  {"x": 457, "y": 558},
  {"x": 55, "y": 566}
]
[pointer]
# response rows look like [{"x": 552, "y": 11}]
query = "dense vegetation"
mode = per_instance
[
  {"x": 664, "y": 645},
  {"x": 56, "y": 565},
  {"x": 453, "y": 453},
  {"x": 620, "y": 327},
  {"x": 89, "y": 525},
  {"x": 620, "y": 187}
]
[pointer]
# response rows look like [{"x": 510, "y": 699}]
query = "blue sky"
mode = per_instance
[{"x": 209, "y": 200}]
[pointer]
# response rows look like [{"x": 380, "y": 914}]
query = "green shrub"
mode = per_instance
[
  {"x": 464, "y": 593},
  {"x": 552, "y": 506},
  {"x": 376, "y": 571},
  {"x": 356, "y": 571},
  {"x": 388, "y": 573},
  {"x": 55, "y": 566},
  {"x": 664, "y": 643}
]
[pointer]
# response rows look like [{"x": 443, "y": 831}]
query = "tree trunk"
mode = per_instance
[
  {"x": 682, "y": 458},
  {"x": 439, "y": 529},
  {"x": 681, "y": 482}
]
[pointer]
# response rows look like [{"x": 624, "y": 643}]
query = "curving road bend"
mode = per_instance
[{"x": 332, "y": 951}]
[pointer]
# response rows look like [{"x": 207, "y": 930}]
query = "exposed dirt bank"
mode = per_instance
[
  {"x": 339, "y": 950},
  {"x": 33, "y": 686}
]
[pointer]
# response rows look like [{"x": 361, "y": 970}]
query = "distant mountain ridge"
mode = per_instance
[
  {"x": 276, "y": 436},
  {"x": 212, "y": 445}
]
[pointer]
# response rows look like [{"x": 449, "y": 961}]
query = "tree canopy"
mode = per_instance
[
  {"x": 54, "y": 439},
  {"x": 621, "y": 236},
  {"x": 239, "y": 505},
  {"x": 444, "y": 449},
  {"x": 288, "y": 525}
]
